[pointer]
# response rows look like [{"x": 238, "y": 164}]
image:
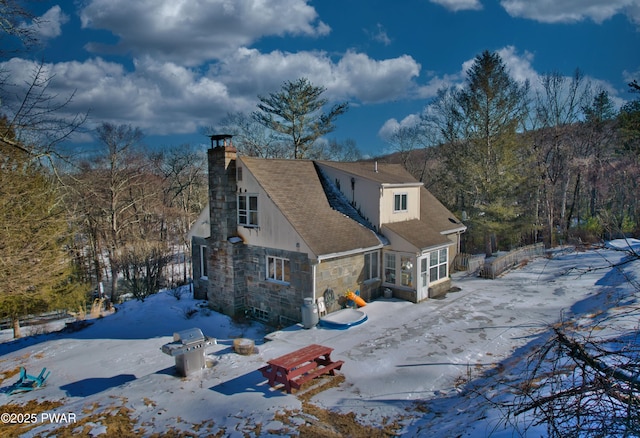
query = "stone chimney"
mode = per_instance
[
  {"x": 226, "y": 280},
  {"x": 222, "y": 187}
]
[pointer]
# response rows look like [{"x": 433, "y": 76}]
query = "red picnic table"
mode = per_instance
[{"x": 300, "y": 366}]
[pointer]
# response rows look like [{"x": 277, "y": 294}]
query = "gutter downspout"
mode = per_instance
[{"x": 313, "y": 276}]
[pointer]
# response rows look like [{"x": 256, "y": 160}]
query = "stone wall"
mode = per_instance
[
  {"x": 227, "y": 285},
  {"x": 336, "y": 276},
  {"x": 276, "y": 303},
  {"x": 439, "y": 289}
]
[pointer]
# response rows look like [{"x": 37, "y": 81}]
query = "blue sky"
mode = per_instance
[{"x": 173, "y": 67}]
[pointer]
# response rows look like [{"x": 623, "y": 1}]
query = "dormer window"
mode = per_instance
[{"x": 399, "y": 202}]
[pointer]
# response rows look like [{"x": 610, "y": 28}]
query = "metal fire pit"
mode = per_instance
[{"x": 188, "y": 348}]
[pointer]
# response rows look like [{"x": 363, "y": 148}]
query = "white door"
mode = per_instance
[{"x": 423, "y": 282}]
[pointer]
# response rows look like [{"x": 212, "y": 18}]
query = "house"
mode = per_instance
[{"x": 284, "y": 230}]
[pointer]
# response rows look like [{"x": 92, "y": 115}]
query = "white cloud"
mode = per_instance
[
  {"x": 369, "y": 80},
  {"x": 437, "y": 82},
  {"x": 50, "y": 24},
  {"x": 163, "y": 97},
  {"x": 355, "y": 76},
  {"x": 191, "y": 32},
  {"x": 519, "y": 65},
  {"x": 459, "y": 5},
  {"x": 521, "y": 69},
  {"x": 568, "y": 11},
  {"x": 380, "y": 35},
  {"x": 160, "y": 98},
  {"x": 392, "y": 125}
]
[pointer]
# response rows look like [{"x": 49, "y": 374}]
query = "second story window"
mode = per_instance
[
  {"x": 248, "y": 210},
  {"x": 400, "y": 202}
]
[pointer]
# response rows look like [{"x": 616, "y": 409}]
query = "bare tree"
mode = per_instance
[
  {"x": 406, "y": 141},
  {"x": 342, "y": 151},
  {"x": 110, "y": 186},
  {"x": 184, "y": 194},
  {"x": 558, "y": 109},
  {"x": 35, "y": 118},
  {"x": 12, "y": 17},
  {"x": 250, "y": 137},
  {"x": 585, "y": 379}
]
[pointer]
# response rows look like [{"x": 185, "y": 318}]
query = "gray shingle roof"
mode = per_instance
[
  {"x": 386, "y": 174},
  {"x": 294, "y": 186},
  {"x": 437, "y": 215},
  {"x": 418, "y": 233},
  {"x": 435, "y": 218}
]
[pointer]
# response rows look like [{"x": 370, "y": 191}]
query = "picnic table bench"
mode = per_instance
[{"x": 298, "y": 367}]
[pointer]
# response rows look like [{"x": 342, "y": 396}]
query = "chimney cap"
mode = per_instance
[{"x": 218, "y": 138}]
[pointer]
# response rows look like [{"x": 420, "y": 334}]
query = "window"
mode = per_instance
[
  {"x": 424, "y": 271},
  {"x": 204, "y": 269},
  {"x": 390, "y": 268},
  {"x": 248, "y": 210},
  {"x": 406, "y": 275},
  {"x": 438, "y": 265},
  {"x": 400, "y": 202},
  {"x": 239, "y": 173},
  {"x": 260, "y": 314},
  {"x": 278, "y": 269},
  {"x": 371, "y": 269}
]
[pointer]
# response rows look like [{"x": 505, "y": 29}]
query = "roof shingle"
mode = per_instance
[{"x": 294, "y": 186}]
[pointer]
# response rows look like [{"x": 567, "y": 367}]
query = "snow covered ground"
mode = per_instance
[{"x": 430, "y": 366}]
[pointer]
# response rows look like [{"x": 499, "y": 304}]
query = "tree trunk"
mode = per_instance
[
  {"x": 574, "y": 202},
  {"x": 16, "y": 328},
  {"x": 114, "y": 283},
  {"x": 488, "y": 248},
  {"x": 563, "y": 203}
]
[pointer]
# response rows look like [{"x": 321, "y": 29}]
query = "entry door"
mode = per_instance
[{"x": 423, "y": 286}]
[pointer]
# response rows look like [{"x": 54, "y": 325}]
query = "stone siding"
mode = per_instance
[
  {"x": 227, "y": 287},
  {"x": 336, "y": 276},
  {"x": 278, "y": 304},
  {"x": 439, "y": 289}
]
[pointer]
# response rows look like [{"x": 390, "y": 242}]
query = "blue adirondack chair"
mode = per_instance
[{"x": 27, "y": 382}]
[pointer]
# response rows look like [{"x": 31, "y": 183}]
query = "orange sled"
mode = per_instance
[{"x": 356, "y": 299}]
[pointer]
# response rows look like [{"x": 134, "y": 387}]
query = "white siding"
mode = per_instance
[
  {"x": 274, "y": 230},
  {"x": 387, "y": 213}
]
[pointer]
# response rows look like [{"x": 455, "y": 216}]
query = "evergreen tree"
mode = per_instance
[
  {"x": 36, "y": 274},
  {"x": 493, "y": 108},
  {"x": 296, "y": 113},
  {"x": 629, "y": 119}
]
